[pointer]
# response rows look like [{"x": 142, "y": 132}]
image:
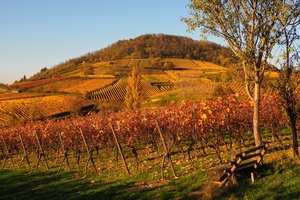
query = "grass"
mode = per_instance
[
  {"x": 68, "y": 185},
  {"x": 276, "y": 179},
  {"x": 273, "y": 181}
]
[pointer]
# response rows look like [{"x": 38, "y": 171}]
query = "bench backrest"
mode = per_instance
[
  {"x": 254, "y": 154},
  {"x": 250, "y": 158}
]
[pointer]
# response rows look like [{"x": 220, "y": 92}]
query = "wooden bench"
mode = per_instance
[{"x": 246, "y": 161}]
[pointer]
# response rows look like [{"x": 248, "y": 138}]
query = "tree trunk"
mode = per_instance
[
  {"x": 294, "y": 133},
  {"x": 256, "y": 102},
  {"x": 295, "y": 140}
]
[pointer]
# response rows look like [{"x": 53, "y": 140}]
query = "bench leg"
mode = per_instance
[
  {"x": 233, "y": 180},
  {"x": 252, "y": 177}
]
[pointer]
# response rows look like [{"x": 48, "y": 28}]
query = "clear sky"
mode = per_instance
[{"x": 42, "y": 33}]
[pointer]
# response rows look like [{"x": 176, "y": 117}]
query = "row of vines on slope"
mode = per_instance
[
  {"x": 194, "y": 126},
  {"x": 117, "y": 90}
]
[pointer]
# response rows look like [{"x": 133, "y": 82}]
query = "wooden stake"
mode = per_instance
[
  {"x": 98, "y": 154},
  {"x": 167, "y": 153},
  {"x": 133, "y": 150},
  {"x": 120, "y": 149},
  {"x": 41, "y": 152},
  {"x": 8, "y": 154},
  {"x": 65, "y": 153},
  {"x": 77, "y": 153},
  {"x": 25, "y": 155},
  {"x": 90, "y": 155},
  {"x": 189, "y": 153}
]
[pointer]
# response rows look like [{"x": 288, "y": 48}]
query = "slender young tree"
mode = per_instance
[
  {"x": 289, "y": 79},
  {"x": 250, "y": 29},
  {"x": 134, "y": 90}
]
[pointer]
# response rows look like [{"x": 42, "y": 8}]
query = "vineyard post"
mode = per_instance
[
  {"x": 78, "y": 158},
  {"x": 117, "y": 154},
  {"x": 41, "y": 152},
  {"x": 193, "y": 140},
  {"x": 90, "y": 153},
  {"x": 167, "y": 153},
  {"x": 77, "y": 152},
  {"x": 65, "y": 153},
  {"x": 120, "y": 149},
  {"x": 8, "y": 154},
  {"x": 229, "y": 131},
  {"x": 98, "y": 154},
  {"x": 25, "y": 156},
  {"x": 136, "y": 158}
]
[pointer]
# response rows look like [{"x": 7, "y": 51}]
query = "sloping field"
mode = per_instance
[
  {"x": 27, "y": 100},
  {"x": 185, "y": 75},
  {"x": 134, "y": 62},
  {"x": 22, "y": 110},
  {"x": 15, "y": 95},
  {"x": 29, "y": 84},
  {"x": 75, "y": 85},
  {"x": 117, "y": 91},
  {"x": 206, "y": 88},
  {"x": 198, "y": 90},
  {"x": 195, "y": 65},
  {"x": 182, "y": 63},
  {"x": 113, "y": 63},
  {"x": 145, "y": 63},
  {"x": 209, "y": 67},
  {"x": 164, "y": 77},
  {"x": 115, "y": 67}
]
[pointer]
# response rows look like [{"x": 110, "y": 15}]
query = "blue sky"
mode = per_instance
[{"x": 42, "y": 33}]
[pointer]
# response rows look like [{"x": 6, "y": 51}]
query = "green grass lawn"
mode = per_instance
[
  {"x": 16, "y": 184},
  {"x": 278, "y": 179}
]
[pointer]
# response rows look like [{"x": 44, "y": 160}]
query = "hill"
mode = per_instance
[
  {"x": 104, "y": 90},
  {"x": 172, "y": 68},
  {"x": 145, "y": 47}
]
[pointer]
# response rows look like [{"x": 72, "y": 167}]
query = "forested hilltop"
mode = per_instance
[
  {"x": 148, "y": 46},
  {"x": 165, "y": 46}
]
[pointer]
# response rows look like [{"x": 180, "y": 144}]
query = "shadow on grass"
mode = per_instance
[
  {"x": 70, "y": 185},
  {"x": 65, "y": 185}
]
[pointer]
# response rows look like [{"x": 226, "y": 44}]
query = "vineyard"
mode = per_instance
[
  {"x": 106, "y": 87},
  {"x": 179, "y": 137},
  {"x": 117, "y": 91},
  {"x": 23, "y": 110},
  {"x": 9, "y": 95},
  {"x": 29, "y": 84},
  {"x": 74, "y": 85}
]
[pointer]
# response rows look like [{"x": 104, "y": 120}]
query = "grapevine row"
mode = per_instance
[
  {"x": 189, "y": 125},
  {"x": 22, "y": 110},
  {"x": 117, "y": 91}
]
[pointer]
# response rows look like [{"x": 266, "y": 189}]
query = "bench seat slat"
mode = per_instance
[
  {"x": 250, "y": 150},
  {"x": 247, "y": 157},
  {"x": 247, "y": 165}
]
